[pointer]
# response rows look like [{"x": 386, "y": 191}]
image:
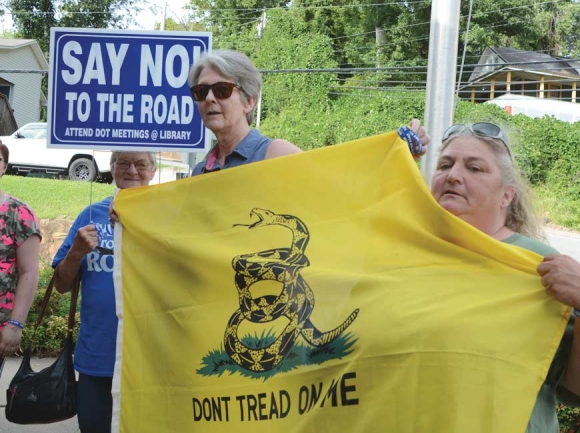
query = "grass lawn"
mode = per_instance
[
  {"x": 52, "y": 198},
  {"x": 560, "y": 208}
]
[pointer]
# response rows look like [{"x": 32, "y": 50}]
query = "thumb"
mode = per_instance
[{"x": 415, "y": 124}]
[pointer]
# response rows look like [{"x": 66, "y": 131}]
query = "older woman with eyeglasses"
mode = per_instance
[
  {"x": 19, "y": 256},
  {"x": 477, "y": 181},
  {"x": 87, "y": 253}
]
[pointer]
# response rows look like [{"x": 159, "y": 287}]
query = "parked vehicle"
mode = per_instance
[{"x": 29, "y": 153}]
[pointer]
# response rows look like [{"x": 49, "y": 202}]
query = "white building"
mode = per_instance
[
  {"x": 538, "y": 107},
  {"x": 22, "y": 66}
]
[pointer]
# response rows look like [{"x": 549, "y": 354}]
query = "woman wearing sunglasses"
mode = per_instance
[
  {"x": 476, "y": 180},
  {"x": 226, "y": 86}
]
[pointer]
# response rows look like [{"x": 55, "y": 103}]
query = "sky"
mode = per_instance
[{"x": 149, "y": 16}]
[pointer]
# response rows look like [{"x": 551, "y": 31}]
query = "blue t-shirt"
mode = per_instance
[
  {"x": 251, "y": 149},
  {"x": 96, "y": 342}
]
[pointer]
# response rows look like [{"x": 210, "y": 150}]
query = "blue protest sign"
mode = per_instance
[{"x": 124, "y": 90}]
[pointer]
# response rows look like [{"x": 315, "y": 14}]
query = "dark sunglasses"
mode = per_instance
[
  {"x": 221, "y": 90},
  {"x": 481, "y": 129}
]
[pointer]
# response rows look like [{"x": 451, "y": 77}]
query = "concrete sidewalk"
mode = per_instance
[
  {"x": 10, "y": 368},
  {"x": 566, "y": 242}
]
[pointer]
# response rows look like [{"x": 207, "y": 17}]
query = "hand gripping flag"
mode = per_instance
[{"x": 322, "y": 292}]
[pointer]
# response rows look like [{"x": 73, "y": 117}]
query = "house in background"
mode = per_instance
[
  {"x": 23, "y": 86},
  {"x": 507, "y": 71}
]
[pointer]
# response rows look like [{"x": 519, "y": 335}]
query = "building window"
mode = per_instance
[{"x": 5, "y": 90}]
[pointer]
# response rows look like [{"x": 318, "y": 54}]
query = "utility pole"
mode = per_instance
[
  {"x": 164, "y": 16},
  {"x": 261, "y": 28},
  {"x": 259, "y": 111},
  {"x": 441, "y": 71}
]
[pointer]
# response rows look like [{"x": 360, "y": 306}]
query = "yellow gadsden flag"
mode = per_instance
[{"x": 322, "y": 292}]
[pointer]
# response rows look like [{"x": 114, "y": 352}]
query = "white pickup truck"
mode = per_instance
[{"x": 28, "y": 153}]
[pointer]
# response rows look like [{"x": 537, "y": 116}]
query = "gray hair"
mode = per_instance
[
  {"x": 234, "y": 66},
  {"x": 115, "y": 155},
  {"x": 520, "y": 215}
]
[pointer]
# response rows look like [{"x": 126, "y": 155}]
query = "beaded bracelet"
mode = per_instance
[{"x": 16, "y": 323}]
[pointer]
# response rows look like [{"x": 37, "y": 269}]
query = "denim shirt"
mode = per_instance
[{"x": 251, "y": 149}]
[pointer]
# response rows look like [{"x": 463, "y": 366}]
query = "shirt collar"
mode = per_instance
[{"x": 244, "y": 149}]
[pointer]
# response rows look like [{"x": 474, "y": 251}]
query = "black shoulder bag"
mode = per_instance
[{"x": 49, "y": 395}]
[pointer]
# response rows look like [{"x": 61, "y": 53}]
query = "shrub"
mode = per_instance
[
  {"x": 569, "y": 418},
  {"x": 52, "y": 331}
]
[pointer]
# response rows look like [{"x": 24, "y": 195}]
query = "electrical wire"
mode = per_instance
[{"x": 464, "y": 51}]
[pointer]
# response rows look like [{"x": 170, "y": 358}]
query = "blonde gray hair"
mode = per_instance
[
  {"x": 234, "y": 66},
  {"x": 520, "y": 215}
]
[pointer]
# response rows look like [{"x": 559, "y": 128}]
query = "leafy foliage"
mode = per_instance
[
  {"x": 568, "y": 18},
  {"x": 302, "y": 50},
  {"x": 34, "y": 18},
  {"x": 569, "y": 418},
  {"x": 52, "y": 331},
  {"x": 95, "y": 14}
]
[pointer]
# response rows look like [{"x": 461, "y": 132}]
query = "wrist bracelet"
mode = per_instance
[{"x": 16, "y": 323}]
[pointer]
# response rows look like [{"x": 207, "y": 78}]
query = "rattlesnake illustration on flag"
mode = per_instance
[{"x": 322, "y": 292}]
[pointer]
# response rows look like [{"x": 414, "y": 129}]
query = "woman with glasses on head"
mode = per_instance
[
  {"x": 476, "y": 180},
  {"x": 87, "y": 253},
  {"x": 19, "y": 256}
]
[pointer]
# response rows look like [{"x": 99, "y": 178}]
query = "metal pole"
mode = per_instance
[
  {"x": 191, "y": 161},
  {"x": 163, "y": 18},
  {"x": 441, "y": 71},
  {"x": 259, "y": 111}
]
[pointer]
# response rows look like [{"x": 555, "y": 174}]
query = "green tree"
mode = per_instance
[
  {"x": 287, "y": 43},
  {"x": 97, "y": 14},
  {"x": 395, "y": 33},
  {"x": 182, "y": 24},
  {"x": 520, "y": 24},
  {"x": 34, "y": 18},
  {"x": 568, "y": 25},
  {"x": 235, "y": 23}
]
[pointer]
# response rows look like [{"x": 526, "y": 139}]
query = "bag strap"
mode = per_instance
[{"x": 72, "y": 308}]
